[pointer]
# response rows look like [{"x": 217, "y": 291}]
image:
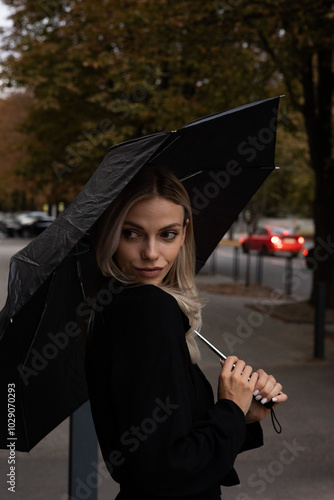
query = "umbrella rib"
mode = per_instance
[
  {"x": 151, "y": 161},
  {"x": 79, "y": 271},
  {"x": 191, "y": 175},
  {"x": 24, "y": 258}
]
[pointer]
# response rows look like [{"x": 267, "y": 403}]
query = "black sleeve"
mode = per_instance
[
  {"x": 144, "y": 417},
  {"x": 254, "y": 437}
]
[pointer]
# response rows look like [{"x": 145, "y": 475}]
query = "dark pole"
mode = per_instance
[
  {"x": 83, "y": 480},
  {"x": 247, "y": 218},
  {"x": 319, "y": 319},
  {"x": 236, "y": 263},
  {"x": 259, "y": 269},
  {"x": 288, "y": 275},
  {"x": 247, "y": 280}
]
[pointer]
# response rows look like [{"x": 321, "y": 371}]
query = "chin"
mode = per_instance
[{"x": 150, "y": 281}]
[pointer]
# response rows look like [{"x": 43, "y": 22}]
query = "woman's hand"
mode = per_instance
[
  {"x": 237, "y": 383},
  {"x": 266, "y": 389}
]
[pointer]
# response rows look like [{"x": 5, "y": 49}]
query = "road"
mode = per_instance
[
  {"x": 275, "y": 273},
  {"x": 223, "y": 261}
]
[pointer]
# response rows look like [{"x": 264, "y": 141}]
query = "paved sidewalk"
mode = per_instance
[{"x": 295, "y": 465}]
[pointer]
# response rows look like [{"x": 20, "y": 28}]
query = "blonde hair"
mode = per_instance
[{"x": 148, "y": 183}]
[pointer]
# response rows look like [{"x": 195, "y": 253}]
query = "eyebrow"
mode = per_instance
[{"x": 169, "y": 226}]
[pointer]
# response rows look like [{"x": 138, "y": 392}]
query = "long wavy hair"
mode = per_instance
[{"x": 148, "y": 183}]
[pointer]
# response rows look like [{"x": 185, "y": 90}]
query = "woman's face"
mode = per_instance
[{"x": 151, "y": 238}]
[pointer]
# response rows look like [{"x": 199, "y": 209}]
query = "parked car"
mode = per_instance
[
  {"x": 33, "y": 223},
  {"x": 269, "y": 239},
  {"x": 3, "y": 230},
  {"x": 10, "y": 227}
]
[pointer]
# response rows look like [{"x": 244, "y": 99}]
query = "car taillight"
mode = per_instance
[
  {"x": 276, "y": 241},
  {"x": 301, "y": 240}
]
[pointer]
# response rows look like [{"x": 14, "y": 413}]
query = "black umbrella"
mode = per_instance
[{"x": 221, "y": 159}]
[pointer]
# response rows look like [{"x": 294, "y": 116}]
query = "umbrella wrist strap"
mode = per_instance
[{"x": 277, "y": 426}]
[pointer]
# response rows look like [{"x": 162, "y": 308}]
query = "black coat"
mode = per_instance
[{"x": 160, "y": 432}]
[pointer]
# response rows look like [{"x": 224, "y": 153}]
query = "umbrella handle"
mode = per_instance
[{"x": 269, "y": 404}]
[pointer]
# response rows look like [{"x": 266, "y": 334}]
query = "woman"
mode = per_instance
[{"x": 160, "y": 432}]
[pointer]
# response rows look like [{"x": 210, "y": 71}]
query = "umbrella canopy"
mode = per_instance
[{"x": 221, "y": 159}]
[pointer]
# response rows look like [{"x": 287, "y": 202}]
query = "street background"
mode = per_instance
[
  {"x": 297, "y": 464},
  {"x": 77, "y": 77}
]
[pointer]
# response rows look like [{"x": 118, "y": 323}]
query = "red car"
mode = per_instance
[{"x": 269, "y": 240}]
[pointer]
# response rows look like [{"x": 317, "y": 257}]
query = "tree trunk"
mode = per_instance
[
  {"x": 323, "y": 257},
  {"x": 317, "y": 80}
]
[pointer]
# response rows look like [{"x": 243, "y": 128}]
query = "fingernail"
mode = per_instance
[
  {"x": 255, "y": 393},
  {"x": 258, "y": 397},
  {"x": 274, "y": 399},
  {"x": 264, "y": 400}
]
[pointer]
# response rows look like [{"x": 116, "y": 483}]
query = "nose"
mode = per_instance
[{"x": 150, "y": 250}]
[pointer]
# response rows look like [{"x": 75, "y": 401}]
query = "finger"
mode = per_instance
[
  {"x": 230, "y": 362},
  {"x": 270, "y": 385},
  {"x": 239, "y": 367},
  {"x": 266, "y": 387},
  {"x": 253, "y": 380},
  {"x": 249, "y": 377},
  {"x": 280, "y": 398},
  {"x": 261, "y": 382},
  {"x": 247, "y": 371},
  {"x": 272, "y": 392},
  {"x": 272, "y": 388}
]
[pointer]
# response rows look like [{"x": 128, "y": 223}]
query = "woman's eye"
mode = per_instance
[
  {"x": 129, "y": 234},
  {"x": 169, "y": 235}
]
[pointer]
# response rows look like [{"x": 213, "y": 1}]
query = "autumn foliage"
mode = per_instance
[{"x": 99, "y": 73}]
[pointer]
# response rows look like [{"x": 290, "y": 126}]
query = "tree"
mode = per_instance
[
  {"x": 15, "y": 192},
  {"x": 104, "y": 72},
  {"x": 296, "y": 41},
  {"x": 290, "y": 190}
]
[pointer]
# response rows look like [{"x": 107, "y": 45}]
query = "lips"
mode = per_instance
[{"x": 149, "y": 272}]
